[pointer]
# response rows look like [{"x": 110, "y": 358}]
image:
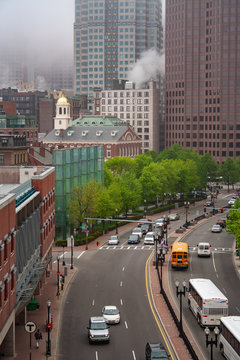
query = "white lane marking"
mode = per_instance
[
  {"x": 121, "y": 302},
  {"x": 135, "y": 247},
  {"x": 121, "y": 283},
  {"x": 114, "y": 247},
  {"x": 214, "y": 263},
  {"x": 80, "y": 254},
  {"x": 96, "y": 355},
  {"x": 101, "y": 248},
  {"x": 237, "y": 309},
  {"x": 123, "y": 269},
  {"x": 121, "y": 247},
  {"x": 107, "y": 247},
  {"x": 126, "y": 325},
  {"x": 93, "y": 303},
  {"x": 142, "y": 247},
  {"x": 129, "y": 247},
  {"x": 133, "y": 354}
]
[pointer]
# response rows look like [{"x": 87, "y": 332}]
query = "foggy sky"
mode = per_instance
[{"x": 43, "y": 30}]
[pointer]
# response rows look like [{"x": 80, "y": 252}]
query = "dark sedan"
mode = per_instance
[{"x": 133, "y": 239}]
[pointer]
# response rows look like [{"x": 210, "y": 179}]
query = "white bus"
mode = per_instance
[
  {"x": 207, "y": 302},
  {"x": 229, "y": 339}
]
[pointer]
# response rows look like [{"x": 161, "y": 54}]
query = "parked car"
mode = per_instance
[
  {"x": 149, "y": 238},
  {"x": 155, "y": 351},
  {"x": 137, "y": 231},
  {"x": 204, "y": 249},
  {"x": 98, "y": 330},
  {"x": 113, "y": 240},
  {"x": 111, "y": 314},
  {"x": 173, "y": 217},
  {"x": 216, "y": 228},
  {"x": 133, "y": 239}
]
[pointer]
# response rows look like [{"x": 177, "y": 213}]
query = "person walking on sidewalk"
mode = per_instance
[{"x": 38, "y": 336}]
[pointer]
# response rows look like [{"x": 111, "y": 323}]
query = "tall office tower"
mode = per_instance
[
  {"x": 109, "y": 37},
  {"x": 202, "y": 76}
]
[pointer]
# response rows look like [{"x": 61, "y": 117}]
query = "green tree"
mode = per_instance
[
  {"x": 82, "y": 202},
  {"x": 230, "y": 172},
  {"x": 233, "y": 223},
  {"x": 130, "y": 191},
  {"x": 117, "y": 165}
]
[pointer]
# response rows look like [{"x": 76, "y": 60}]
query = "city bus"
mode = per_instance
[
  {"x": 207, "y": 302},
  {"x": 229, "y": 339},
  {"x": 179, "y": 257}
]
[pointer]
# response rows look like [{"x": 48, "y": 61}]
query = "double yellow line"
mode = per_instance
[{"x": 151, "y": 306}]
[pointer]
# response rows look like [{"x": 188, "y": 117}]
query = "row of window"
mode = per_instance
[
  {"x": 7, "y": 286},
  {"x": 125, "y": 94}
]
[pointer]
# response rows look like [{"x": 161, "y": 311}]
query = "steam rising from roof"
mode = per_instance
[{"x": 148, "y": 67}]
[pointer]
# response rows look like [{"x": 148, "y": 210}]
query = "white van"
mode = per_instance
[{"x": 204, "y": 249}]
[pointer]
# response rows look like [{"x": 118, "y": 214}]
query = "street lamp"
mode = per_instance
[
  {"x": 212, "y": 341},
  {"x": 161, "y": 258},
  {"x": 186, "y": 204},
  {"x": 116, "y": 221},
  {"x": 48, "y": 352},
  {"x": 180, "y": 293},
  {"x": 58, "y": 276},
  {"x": 63, "y": 257},
  {"x": 72, "y": 242},
  {"x": 145, "y": 208}
]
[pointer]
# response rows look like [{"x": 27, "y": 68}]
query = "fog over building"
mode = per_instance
[{"x": 110, "y": 37}]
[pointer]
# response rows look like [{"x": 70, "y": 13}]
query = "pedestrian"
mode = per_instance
[{"x": 38, "y": 336}]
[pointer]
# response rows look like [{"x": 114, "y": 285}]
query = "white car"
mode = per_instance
[
  {"x": 149, "y": 238},
  {"x": 137, "y": 231},
  {"x": 231, "y": 202},
  {"x": 173, "y": 217},
  {"x": 216, "y": 228},
  {"x": 111, "y": 314},
  {"x": 113, "y": 240},
  {"x": 204, "y": 249}
]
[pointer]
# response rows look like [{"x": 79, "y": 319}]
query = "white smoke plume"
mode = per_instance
[{"x": 148, "y": 67}]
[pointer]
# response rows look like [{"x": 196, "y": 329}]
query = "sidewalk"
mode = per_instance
[{"x": 49, "y": 291}]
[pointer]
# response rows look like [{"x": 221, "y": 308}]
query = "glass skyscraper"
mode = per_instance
[{"x": 109, "y": 37}]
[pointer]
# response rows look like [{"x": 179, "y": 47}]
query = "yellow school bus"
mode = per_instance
[{"x": 179, "y": 257}]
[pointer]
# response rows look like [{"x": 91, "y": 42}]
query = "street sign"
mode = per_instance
[{"x": 30, "y": 327}]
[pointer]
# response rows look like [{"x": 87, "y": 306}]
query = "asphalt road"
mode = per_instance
[
  {"x": 219, "y": 268},
  {"x": 108, "y": 278}
]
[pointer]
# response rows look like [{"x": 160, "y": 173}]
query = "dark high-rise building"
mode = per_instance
[
  {"x": 109, "y": 37},
  {"x": 202, "y": 78}
]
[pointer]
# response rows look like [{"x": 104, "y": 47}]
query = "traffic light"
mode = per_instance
[
  {"x": 221, "y": 210},
  {"x": 204, "y": 208}
]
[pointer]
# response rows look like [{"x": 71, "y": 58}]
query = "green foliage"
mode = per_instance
[
  {"x": 118, "y": 165},
  {"x": 233, "y": 224},
  {"x": 230, "y": 171}
]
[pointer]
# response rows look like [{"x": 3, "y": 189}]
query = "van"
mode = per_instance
[{"x": 204, "y": 249}]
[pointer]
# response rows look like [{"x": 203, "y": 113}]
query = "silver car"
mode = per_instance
[
  {"x": 113, "y": 240},
  {"x": 111, "y": 314},
  {"x": 149, "y": 238},
  {"x": 98, "y": 330},
  {"x": 216, "y": 228}
]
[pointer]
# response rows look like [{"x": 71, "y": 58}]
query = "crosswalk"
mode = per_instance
[{"x": 151, "y": 247}]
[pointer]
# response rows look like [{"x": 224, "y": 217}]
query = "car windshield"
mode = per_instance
[
  {"x": 111, "y": 311},
  {"x": 161, "y": 354},
  {"x": 136, "y": 230},
  {"x": 113, "y": 238},
  {"x": 98, "y": 325}
]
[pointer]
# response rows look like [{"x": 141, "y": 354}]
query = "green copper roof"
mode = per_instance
[{"x": 91, "y": 120}]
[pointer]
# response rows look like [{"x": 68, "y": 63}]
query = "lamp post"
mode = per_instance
[
  {"x": 48, "y": 352},
  {"x": 72, "y": 242},
  {"x": 116, "y": 221},
  {"x": 186, "y": 204},
  {"x": 180, "y": 293},
  {"x": 58, "y": 276},
  {"x": 212, "y": 341},
  {"x": 145, "y": 209},
  {"x": 161, "y": 259},
  {"x": 63, "y": 257}
]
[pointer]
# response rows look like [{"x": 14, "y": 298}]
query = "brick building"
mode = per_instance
[
  {"x": 13, "y": 150},
  {"x": 27, "y": 212}
]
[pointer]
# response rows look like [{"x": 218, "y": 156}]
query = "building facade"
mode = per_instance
[
  {"x": 109, "y": 37},
  {"x": 138, "y": 107},
  {"x": 13, "y": 150},
  {"x": 202, "y": 76},
  {"x": 27, "y": 231}
]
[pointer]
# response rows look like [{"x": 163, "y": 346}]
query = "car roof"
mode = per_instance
[
  {"x": 97, "y": 319},
  {"x": 216, "y": 225},
  {"x": 204, "y": 243},
  {"x": 156, "y": 346},
  {"x": 110, "y": 307}
]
